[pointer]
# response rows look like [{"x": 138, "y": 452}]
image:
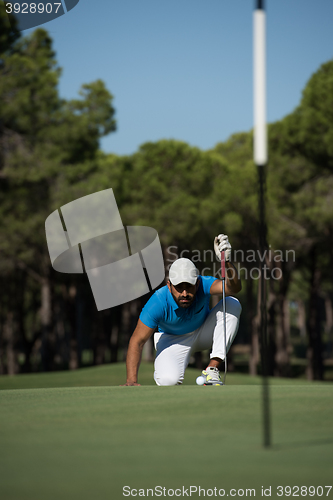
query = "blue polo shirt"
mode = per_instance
[{"x": 162, "y": 311}]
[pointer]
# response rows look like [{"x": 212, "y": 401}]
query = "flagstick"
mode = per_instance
[{"x": 260, "y": 159}]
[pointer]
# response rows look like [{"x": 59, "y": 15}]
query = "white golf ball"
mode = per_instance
[{"x": 200, "y": 380}]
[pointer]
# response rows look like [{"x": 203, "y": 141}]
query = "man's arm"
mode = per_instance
[
  {"x": 140, "y": 336},
  {"x": 232, "y": 283}
]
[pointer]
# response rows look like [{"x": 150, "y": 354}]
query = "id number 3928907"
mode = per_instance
[{"x": 32, "y": 7}]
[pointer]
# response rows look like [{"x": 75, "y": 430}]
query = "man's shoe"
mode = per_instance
[{"x": 211, "y": 376}]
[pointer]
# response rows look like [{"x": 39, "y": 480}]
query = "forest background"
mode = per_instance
[{"x": 50, "y": 155}]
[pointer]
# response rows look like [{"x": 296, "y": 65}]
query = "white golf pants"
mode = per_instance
[{"x": 173, "y": 351}]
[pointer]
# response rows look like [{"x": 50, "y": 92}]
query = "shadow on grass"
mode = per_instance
[{"x": 302, "y": 444}]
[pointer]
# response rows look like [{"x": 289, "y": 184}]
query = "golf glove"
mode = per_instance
[{"x": 221, "y": 243}]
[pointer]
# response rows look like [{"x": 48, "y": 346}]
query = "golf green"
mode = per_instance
[
  {"x": 114, "y": 375},
  {"x": 113, "y": 442}
]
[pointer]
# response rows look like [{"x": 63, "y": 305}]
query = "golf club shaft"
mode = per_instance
[{"x": 224, "y": 314}]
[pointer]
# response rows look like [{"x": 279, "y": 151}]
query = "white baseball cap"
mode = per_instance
[{"x": 183, "y": 271}]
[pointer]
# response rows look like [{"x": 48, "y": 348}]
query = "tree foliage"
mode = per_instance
[
  {"x": 50, "y": 156},
  {"x": 44, "y": 140}
]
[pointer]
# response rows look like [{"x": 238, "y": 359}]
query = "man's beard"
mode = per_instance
[{"x": 184, "y": 305}]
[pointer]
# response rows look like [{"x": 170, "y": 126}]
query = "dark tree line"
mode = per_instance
[{"x": 50, "y": 156}]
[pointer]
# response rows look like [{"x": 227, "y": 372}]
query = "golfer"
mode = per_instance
[{"x": 180, "y": 312}]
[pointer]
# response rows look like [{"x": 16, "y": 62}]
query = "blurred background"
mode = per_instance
[{"x": 155, "y": 102}]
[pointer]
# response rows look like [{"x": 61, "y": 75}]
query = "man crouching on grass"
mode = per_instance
[{"x": 185, "y": 324}]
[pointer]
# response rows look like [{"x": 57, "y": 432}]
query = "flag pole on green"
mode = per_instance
[{"x": 260, "y": 157}]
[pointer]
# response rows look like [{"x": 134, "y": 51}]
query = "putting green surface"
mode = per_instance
[
  {"x": 91, "y": 442},
  {"x": 114, "y": 375}
]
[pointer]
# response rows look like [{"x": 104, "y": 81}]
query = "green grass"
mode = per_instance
[
  {"x": 114, "y": 375},
  {"x": 72, "y": 442}
]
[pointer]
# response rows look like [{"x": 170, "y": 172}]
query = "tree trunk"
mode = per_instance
[
  {"x": 282, "y": 363},
  {"x": 271, "y": 328},
  {"x": 253, "y": 321},
  {"x": 125, "y": 327},
  {"x": 102, "y": 336},
  {"x": 2, "y": 321},
  {"x": 11, "y": 352},
  {"x": 2, "y": 351},
  {"x": 278, "y": 324},
  {"x": 301, "y": 318},
  {"x": 25, "y": 344},
  {"x": 48, "y": 340},
  {"x": 73, "y": 362},
  {"x": 329, "y": 325},
  {"x": 314, "y": 369},
  {"x": 79, "y": 312},
  {"x": 62, "y": 356},
  {"x": 328, "y": 315},
  {"x": 114, "y": 334}
]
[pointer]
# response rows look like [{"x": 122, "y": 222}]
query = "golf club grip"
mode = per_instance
[{"x": 222, "y": 265}]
